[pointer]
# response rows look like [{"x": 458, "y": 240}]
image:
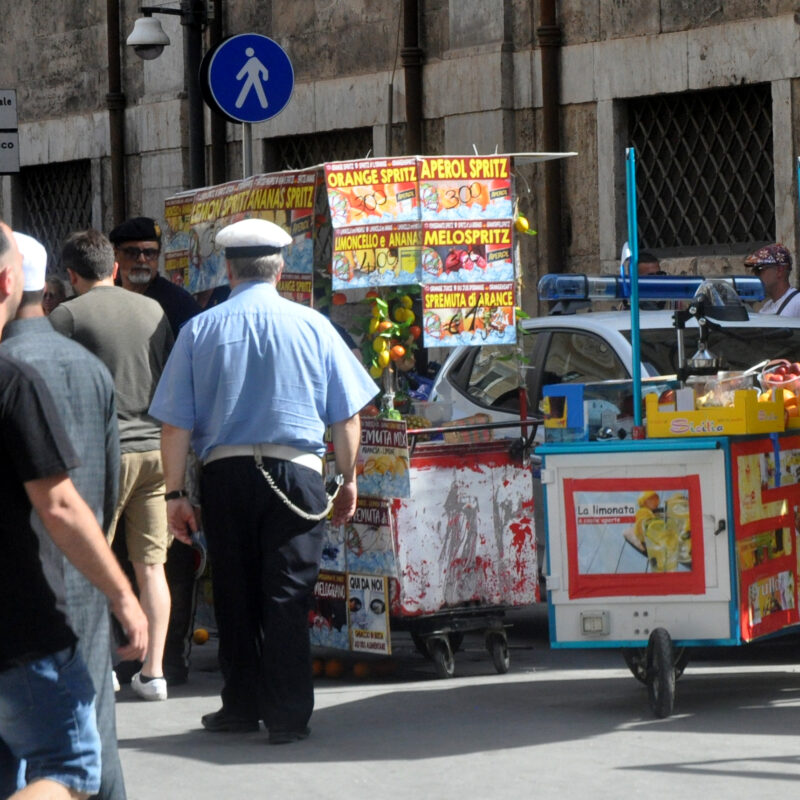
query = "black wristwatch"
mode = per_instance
[{"x": 176, "y": 494}]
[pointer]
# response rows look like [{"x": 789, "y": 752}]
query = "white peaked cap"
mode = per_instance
[
  {"x": 252, "y": 238},
  {"x": 34, "y": 261}
]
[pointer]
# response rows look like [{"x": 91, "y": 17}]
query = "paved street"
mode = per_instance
[{"x": 567, "y": 724}]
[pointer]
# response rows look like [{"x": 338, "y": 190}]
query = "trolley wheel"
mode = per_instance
[
  {"x": 442, "y": 656},
  {"x": 661, "y": 673},
  {"x": 636, "y": 661},
  {"x": 421, "y": 643},
  {"x": 497, "y": 645}
]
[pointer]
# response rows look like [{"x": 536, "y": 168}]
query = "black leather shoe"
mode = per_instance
[
  {"x": 223, "y": 722},
  {"x": 287, "y": 736}
]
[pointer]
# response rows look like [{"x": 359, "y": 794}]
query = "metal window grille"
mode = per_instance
[
  {"x": 704, "y": 170},
  {"x": 299, "y": 152},
  {"x": 57, "y": 199}
]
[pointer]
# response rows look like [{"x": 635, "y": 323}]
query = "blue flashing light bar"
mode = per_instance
[{"x": 572, "y": 286}]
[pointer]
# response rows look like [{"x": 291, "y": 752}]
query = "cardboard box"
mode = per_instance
[{"x": 746, "y": 415}]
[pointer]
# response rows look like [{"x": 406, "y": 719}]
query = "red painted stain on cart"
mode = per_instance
[{"x": 521, "y": 533}]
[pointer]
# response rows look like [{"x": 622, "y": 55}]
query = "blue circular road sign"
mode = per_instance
[{"x": 249, "y": 77}]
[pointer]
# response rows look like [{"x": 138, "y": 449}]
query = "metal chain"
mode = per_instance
[{"x": 289, "y": 504}]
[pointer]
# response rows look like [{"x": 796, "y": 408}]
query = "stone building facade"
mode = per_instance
[{"x": 708, "y": 81}]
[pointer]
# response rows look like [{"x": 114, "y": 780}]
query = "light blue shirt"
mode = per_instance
[{"x": 260, "y": 369}]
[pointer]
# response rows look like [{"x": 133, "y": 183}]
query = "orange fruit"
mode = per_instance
[
  {"x": 339, "y": 299},
  {"x": 200, "y": 636},
  {"x": 415, "y": 331},
  {"x": 793, "y": 411},
  {"x": 397, "y": 352},
  {"x": 361, "y": 670},
  {"x": 384, "y": 325},
  {"x": 317, "y": 667},
  {"x": 334, "y": 668}
]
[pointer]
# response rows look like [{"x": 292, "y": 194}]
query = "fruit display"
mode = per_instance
[{"x": 784, "y": 375}]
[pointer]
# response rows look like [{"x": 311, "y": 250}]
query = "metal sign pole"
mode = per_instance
[
  {"x": 247, "y": 149},
  {"x": 633, "y": 269}
]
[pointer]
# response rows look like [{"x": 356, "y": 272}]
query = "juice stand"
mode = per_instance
[
  {"x": 684, "y": 537},
  {"x": 443, "y": 538}
]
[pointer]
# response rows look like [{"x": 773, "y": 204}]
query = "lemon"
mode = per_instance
[
  {"x": 373, "y": 324},
  {"x": 521, "y": 224},
  {"x": 384, "y": 358},
  {"x": 380, "y": 344},
  {"x": 406, "y": 301},
  {"x": 376, "y": 371}
]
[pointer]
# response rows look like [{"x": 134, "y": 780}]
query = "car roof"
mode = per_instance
[{"x": 621, "y": 321}]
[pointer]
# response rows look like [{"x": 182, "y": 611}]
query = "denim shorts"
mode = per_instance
[{"x": 47, "y": 719}]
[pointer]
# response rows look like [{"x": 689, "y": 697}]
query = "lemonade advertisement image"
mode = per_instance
[{"x": 652, "y": 528}]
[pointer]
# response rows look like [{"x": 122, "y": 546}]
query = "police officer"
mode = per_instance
[{"x": 251, "y": 385}]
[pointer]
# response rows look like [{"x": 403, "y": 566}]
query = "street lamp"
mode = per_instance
[{"x": 148, "y": 40}]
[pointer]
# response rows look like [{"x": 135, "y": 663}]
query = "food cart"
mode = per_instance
[
  {"x": 685, "y": 537},
  {"x": 443, "y": 538}
]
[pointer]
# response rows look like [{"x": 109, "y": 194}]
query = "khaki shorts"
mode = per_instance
[{"x": 141, "y": 504}]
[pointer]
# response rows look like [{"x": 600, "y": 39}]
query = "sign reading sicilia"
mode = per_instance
[{"x": 9, "y": 139}]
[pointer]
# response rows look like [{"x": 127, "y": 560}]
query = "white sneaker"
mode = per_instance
[
  {"x": 114, "y": 680},
  {"x": 154, "y": 689}
]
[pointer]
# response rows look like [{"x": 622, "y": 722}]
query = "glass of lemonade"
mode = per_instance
[
  {"x": 677, "y": 513},
  {"x": 662, "y": 539}
]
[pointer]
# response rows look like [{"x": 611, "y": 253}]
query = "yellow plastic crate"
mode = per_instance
[{"x": 746, "y": 415}]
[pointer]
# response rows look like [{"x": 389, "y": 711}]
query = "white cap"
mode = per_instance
[
  {"x": 34, "y": 261},
  {"x": 250, "y": 238}
]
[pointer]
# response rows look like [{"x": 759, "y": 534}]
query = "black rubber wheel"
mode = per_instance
[
  {"x": 636, "y": 661},
  {"x": 420, "y": 642},
  {"x": 442, "y": 657},
  {"x": 497, "y": 645},
  {"x": 456, "y": 638},
  {"x": 661, "y": 673}
]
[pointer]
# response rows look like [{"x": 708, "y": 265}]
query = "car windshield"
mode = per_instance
[{"x": 738, "y": 347}]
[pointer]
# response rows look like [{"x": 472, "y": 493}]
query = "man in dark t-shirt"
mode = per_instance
[{"x": 50, "y": 724}]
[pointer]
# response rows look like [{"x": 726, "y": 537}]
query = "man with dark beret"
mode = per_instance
[{"x": 137, "y": 247}]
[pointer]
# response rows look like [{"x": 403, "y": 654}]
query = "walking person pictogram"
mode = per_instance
[{"x": 256, "y": 72}]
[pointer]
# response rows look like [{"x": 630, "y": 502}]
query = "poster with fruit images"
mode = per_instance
[
  {"x": 634, "y": 536},
  {"x": 368, "y": 613},
  {"x": 467, "y": 252},
  {"x": 175, "y": 236},
  {"x": 382, "y": 466},
  {"x": 327, "y": 617},
  {"x": 468, "y": 314},
  {"x": 376, "y": 255},
  {"x": 465, "y": 188},
  {"x": 285, "y": 198},
  {"x": 367, "y": 538}
]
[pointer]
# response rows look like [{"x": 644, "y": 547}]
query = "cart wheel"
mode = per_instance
[
  {"x": 497, "y": 645},
  {"x": 442, "y": 657},
  {"x": 661, "y": 673},
  {"x": 681, "y": 661},
  {"x": 421, "y": 643},
  {"x": 456, "y": 638},
  {"x": 636, "y": 661}
]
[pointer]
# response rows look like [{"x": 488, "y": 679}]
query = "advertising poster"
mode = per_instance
[
  {"x": 327, "y": 618},
  {"x": 465, "y": 187},
  {"x": 213, "y": 208},
  {"x": 771, "y": 603},
  {"x": 368, "y": 539},
  {"x": 382, "y": 466},
  {"x": 467, "y": 252},
  {"x": 469, "y": 314},
  {"x": 175, "y": 236},
  {"x": 368, "y": 614},
  {"x": 372, "y": 192},
  {"x": 376, "y": 255},
  {"x": 650, "y": 527}
]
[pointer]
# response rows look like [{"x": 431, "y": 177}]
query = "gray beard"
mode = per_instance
[{"x": 139, "y": 276}]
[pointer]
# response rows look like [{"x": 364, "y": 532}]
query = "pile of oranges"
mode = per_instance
[{"x": 338, "y": 668}]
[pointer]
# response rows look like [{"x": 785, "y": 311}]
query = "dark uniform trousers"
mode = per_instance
[{"x": 264, "y": 562}]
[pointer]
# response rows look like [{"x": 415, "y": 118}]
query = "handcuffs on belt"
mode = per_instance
[{"x": 331, "y": 489}]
